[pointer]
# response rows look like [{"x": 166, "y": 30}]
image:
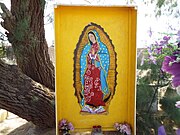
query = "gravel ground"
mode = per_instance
[
  {"x": 11, "y": 123},
  {"x": 15, "y": 125}
]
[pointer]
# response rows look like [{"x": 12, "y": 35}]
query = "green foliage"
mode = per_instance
[
  {"x": 160, "y": 3},
  {"x": 147, "y": 82},
  {"x": 167, "y": 7},
  {"x": 22, "y": 29},
  {"x": 23, "y": 37},
  {"x": 147, "y": 123},
  {"x": 144, "y": 96},
  {"x": 168, "y": 105}
]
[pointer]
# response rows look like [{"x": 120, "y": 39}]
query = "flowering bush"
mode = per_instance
[
  {"x": 64, "y": 126},
  {"x": 123, "y": 128},
  {"x": 168, "y": 50},
  {"x": 161, "y": 66}
]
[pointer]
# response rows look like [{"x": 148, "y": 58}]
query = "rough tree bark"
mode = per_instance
[
  {"x": 20, "y": 94},
  {"x": 31, "y": 101},
  {"x": 25, "y": 26}
]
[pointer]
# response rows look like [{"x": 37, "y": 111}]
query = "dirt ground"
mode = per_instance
[{"x": 15, "y": 125}]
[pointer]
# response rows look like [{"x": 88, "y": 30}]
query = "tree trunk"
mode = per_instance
[
  {"x": 20, "y": 94},
  {"x": 25, "y": 26},
  {"x": 26, "y": 98}
]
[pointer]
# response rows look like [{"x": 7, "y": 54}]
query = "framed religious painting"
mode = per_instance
[{"x": 95, "y": 66}]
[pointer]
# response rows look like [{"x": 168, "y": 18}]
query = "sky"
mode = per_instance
[{"x": 146, "y": 20}]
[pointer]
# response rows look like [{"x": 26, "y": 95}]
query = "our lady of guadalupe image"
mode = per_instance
[{"x": 95, "y": 61}]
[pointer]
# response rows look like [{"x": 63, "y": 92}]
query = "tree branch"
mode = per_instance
[
  {"x": 5, "y": 10},
  {"x": 24, "y": 97},
  {"x": 7, "y": 16}
]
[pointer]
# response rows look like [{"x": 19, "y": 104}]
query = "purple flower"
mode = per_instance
[
  {"x": 169, "y": 65},
  {"x": 63, "y": 122},
  {"x": 178, "y": 34},
  {"x": 164, "y": 41},
  {"x": 178, "y": 132},
  {"x": 161, "y": 130},
  {"x": 176, "y": 80},
  {"x": 149, "y": 49},
  {"x": 127, "y": 129},
  {"x": 166, "y": 38},
  {"x": 150, "y": 32},
  {"x": 152, "y": 59},
  {"x": 64, "y": 125},
  {"x": 158, "y": 50},
  {"x": 177, "y": 105},
  {"x": 123, "y": 128},
  {"x": 70, "y": 126}
]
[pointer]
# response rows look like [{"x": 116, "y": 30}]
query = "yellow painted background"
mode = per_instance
[{"x": 120, "y": 25}]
